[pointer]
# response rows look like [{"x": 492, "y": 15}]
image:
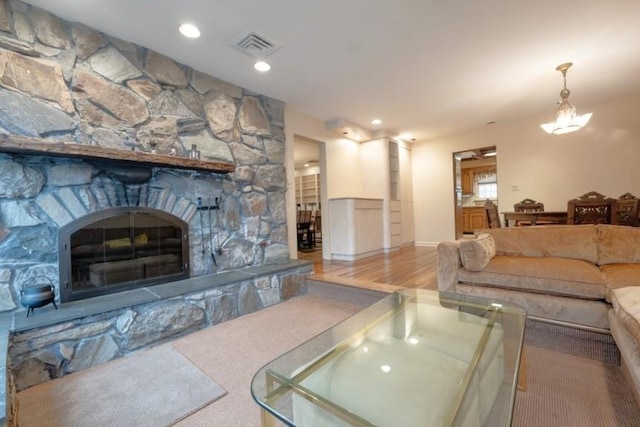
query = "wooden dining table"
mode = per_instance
[{"x": 555, "y": 217}]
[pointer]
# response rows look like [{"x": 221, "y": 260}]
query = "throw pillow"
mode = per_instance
[{"x": 475, "y": 254}]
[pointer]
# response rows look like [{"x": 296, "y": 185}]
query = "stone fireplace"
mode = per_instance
[
  {"x": 96, "y": 224},
  {"x": 91, "y": 89}
]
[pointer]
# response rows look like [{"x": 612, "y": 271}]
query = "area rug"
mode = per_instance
[
  {"x": 574, "y": 379},
  {"x": 155, "y": 387}
]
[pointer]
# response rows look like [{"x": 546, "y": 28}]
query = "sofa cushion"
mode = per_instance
[
  {"x": 618, "y": 244},
  {"x": 554, "y": 276},
  {"x": 476, "y": 253},
  {"x": 620, "y": 276},
  {"x": 626, "y": 307},
  {"x": 561, "y": 241}
]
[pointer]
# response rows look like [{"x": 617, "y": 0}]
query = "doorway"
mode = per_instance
[
  {"x": 308, "y": 196},
  {"x": 476, "y": 181}
]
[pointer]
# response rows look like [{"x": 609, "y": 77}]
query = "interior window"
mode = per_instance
[{"x": 488, "y": 188}]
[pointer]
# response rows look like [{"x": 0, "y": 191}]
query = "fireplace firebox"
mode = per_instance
[{"x": 121, "y": 248}]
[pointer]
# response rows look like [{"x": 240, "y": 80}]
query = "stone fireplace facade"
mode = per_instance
[{"x": 63, "y": 81}]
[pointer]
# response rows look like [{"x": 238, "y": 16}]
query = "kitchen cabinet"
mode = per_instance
[
  {"x": 473, "y": 218},
  {"x": 467, "y": 181},
  {"x": 467, "y": 177}
]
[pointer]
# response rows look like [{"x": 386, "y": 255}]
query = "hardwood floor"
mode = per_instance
[{"x": 410, "y": 267}]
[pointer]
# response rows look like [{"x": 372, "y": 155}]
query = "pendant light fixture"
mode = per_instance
[{"x": 566, "y": 118}]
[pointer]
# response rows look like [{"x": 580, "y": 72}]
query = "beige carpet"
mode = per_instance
[
  {"x": 152, "y": 388},
  {"x": 234, "y": 351},
  {"x": 573, "y": 377},
  {"x": 566, "y": 390}
]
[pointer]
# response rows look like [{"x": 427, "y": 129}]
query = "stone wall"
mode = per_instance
[{"x": 65, "y": 81}]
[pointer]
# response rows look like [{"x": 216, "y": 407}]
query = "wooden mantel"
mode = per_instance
[{"x": 36, "y": 146}]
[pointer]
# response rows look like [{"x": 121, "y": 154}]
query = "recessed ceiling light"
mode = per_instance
[
  {"x": 189, "y": 30},
  {"x": 376, "y": 122},
  {"x": 306, "y": 165},
  {"x": 262, "y": 66}
]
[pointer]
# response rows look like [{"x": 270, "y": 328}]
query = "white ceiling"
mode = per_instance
[{"x": 427, "y": 67}]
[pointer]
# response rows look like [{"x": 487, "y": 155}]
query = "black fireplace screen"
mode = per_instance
[{"x": 121, "y": 248}]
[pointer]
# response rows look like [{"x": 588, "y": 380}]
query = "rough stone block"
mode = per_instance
[
  {"x": 70, "y": 174},
  {"x": 120, "y": 102},
  {"x": 17, "y": 214},
  {"x": 254, "y": 203},
  {"x": 6, "y": 298},
  {"x": 220, "y": 111},
  {"x": 292, "y": 286},
  {"x": 276, "y": 253},
  {"x": 145, "y": 88},
  {"x": 277, "y": 207},
  {"x": 165, "y": 70},
  {"x": 5, "y": 20},
  {"x": 110, "y": 63},
  {"x": 71, "y": 202},
  {"x": 163, "y": 320},
  {"x": 248, "y": 300},
  {"x": 204, "y": 83},
  {"x": 49, "y": 29},
  {"x": 245, "y": 155},
  {"x": 167, "y": 103},
  {"x": 252, "y": 117},
  {"x": 271, "y": 177},
  {"x": 210, "y": 148},
  {"x": 32, "y": 372},
  {"x": 268, "y": 290},
  {"x": 54, "y": 209},
  {"x": 22, "y": 115},
  {"x": 87, "y": 40},
  {"x": 221, "y": 308},
  {"x": 92, "y": 352},
  {"x": 37, "y": 77}
]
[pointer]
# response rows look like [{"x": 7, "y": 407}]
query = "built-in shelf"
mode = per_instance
[
  {"x": 308, "y": 190},
  {"x": 36, "y": 146}
]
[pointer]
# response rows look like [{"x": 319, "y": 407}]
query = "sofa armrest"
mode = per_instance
[{"x": 448, "y": 265}]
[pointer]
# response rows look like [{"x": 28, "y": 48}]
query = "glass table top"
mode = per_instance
[{"x": 414, "y": 358}]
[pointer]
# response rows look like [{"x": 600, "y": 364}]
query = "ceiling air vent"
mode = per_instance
[{"x": 254, "y": 44}]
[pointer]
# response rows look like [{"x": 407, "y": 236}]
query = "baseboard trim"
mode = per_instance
[
  {"x": 427, "y": 244},
  {"x": 344, "y": 257}
]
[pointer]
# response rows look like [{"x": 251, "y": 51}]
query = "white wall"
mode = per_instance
[
  {"x": 603, "y": 157},
  {"x": 340, "y": 179}
]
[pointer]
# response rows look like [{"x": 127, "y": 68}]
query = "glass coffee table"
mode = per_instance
[{"x": 414, "y": 358}]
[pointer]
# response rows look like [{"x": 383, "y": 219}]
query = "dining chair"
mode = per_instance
[
  {"x": 493, "y": 216},
  {"x": 591, "y": 208},
  {"x": 305, "y": 229},
  {"x": 527, "y": 205},
  {"x": 626, "y": 210}
]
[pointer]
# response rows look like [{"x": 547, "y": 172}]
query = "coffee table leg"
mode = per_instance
[
  {"x": 522, "y": 373},
  {"x": 267, "y": 419}
]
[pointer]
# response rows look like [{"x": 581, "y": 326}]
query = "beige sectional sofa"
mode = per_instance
[{"x": 587, "y": 276}]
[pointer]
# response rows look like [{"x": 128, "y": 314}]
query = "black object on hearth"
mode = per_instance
[{"x": 38, "y": 295}]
